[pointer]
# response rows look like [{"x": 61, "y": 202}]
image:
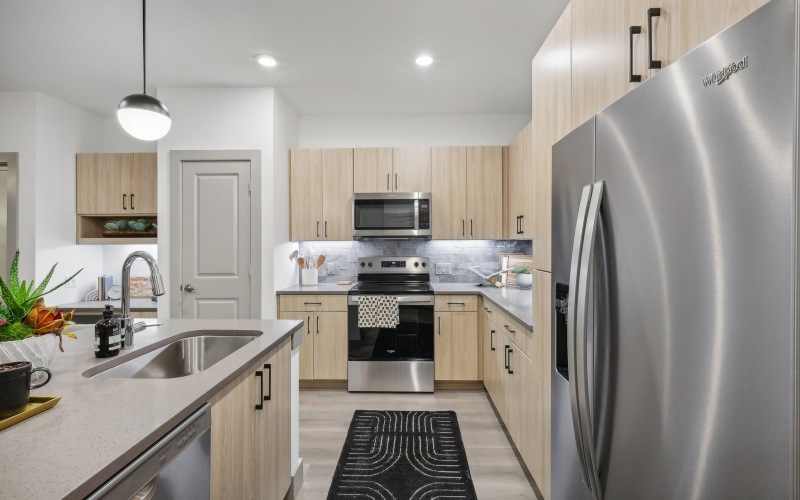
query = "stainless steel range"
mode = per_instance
[{"x": 398, "y": 359}]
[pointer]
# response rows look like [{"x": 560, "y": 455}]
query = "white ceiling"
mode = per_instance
[{"x": 338, "y": 56}]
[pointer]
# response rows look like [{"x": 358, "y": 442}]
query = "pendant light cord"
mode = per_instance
[{"x": 144, "y": 52}]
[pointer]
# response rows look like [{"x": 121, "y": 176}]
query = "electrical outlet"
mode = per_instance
[
  {"x": 331, "y": 268},
  {"x": 444, "y": 268},
  {"x": 71, "y": 283}
]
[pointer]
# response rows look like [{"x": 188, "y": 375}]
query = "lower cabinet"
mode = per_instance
[
  {"x": 250, "y": 437},
  {"x": 323, "y": 354},
  {"x": 455, "y": 343},
  {"x": 513, "y": 382}
]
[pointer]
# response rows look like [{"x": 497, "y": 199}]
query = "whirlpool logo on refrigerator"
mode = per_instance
[{"x": 721, "y": 76}]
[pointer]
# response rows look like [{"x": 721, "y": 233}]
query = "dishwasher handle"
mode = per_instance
[{"x": 149, "y": 464}]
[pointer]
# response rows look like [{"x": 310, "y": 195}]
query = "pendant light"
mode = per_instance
[{"x": 141, "y": 115}]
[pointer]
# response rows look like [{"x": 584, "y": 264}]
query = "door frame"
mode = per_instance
[
  {"x": 11, "y": 161},
  {"x": 176, "y": 159}
]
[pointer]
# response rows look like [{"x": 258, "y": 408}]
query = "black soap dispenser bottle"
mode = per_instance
[{"x": 107, "y": 338}]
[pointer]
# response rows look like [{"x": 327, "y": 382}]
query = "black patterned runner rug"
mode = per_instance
[{"x": 403, "y": 455}]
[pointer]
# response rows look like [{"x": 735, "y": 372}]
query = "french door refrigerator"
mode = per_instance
[{"x": 675, "y": 217}]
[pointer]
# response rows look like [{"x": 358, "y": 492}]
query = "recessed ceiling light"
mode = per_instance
[
  {"x": 424, "y": 60},
  {"x": 268, "y": 61}
]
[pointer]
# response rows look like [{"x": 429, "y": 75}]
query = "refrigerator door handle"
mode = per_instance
[
  {"x": 581, "y": 352},
  {"x": 580, "y": 227}
]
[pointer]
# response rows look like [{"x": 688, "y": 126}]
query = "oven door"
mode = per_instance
[
  {"x": 391, "y": 215},
  {"x": 412, "y": 340}
]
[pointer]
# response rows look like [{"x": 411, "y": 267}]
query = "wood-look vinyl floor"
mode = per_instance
[{"x": 325, "y": 418}]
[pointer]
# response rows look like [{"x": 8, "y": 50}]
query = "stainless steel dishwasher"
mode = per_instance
[{"x": 177, "y": 467}]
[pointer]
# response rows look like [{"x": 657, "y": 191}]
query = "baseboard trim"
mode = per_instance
[
  {"x": 458, "y": 385},
  {"x": 323, "y": 384}
]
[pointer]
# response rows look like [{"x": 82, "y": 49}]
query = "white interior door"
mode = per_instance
[{"x": 215, "y": 233}]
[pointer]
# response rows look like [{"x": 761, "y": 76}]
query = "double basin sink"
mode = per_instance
[{"x": 192, "y": 354}]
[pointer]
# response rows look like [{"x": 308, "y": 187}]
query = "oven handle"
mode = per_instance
[{"x": 417, "y": 300}]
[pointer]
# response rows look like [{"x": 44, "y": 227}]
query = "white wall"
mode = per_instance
[
  {"x": 61, "y": 131},
  {"x": 335, "y": 131},
  {"x": 115, "y": 255},
  {"x": 285, "y": 136},
  {"x": 18, "y": 135},
  {"x": 116, "y": 140},
  {"x": 214, "y": 119}
]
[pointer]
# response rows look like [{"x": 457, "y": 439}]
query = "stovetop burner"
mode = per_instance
[{"x": 391, "y": 288}]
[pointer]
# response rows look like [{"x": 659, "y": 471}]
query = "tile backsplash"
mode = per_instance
[{"x": 462, "y": 254}]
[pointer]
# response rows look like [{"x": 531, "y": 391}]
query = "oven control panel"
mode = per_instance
[{"x": 388, "y": 265}]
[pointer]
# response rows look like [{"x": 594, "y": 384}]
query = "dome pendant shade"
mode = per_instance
[{"x": 144, "y": 117}]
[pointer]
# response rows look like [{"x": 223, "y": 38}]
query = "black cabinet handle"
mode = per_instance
[
  {"x": 440, "y": 325},
  {"x": 470, "y": 227},
  {"x": 317, "y": 229},
  {"x": 387, "y": 182},
  {"x": 326, "y": 229},
  {"x": 260, "y": 404},
  {"x": 395, "y": 182},
  {"x": 312, "y": 303},
  {"x": 510, "y": 369},
  {"x": 651, "y": 13},
  {"x": 132, "y": 208},
  {"x": 123, "y": 201},
  {"x": 487, "y": 309},
  {"x": 491, "y": 340},
  {"x": 463, "y": 230},
  {"x": 521, "y": 220},
  {"x": 308, "y": 325},
  {"x": 317, "y": 325},
  {"x": 456, "y": 303},
  {"x": 505, "y": 356},
  {"x": 634, "y": 30},
  {"x": 268, "y": 397},
  {"x": 509, "y": 329}
]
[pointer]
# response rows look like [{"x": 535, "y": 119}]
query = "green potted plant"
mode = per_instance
[
  {"x": 29, "y": 330},
  {"x": 524, "y": 276}
]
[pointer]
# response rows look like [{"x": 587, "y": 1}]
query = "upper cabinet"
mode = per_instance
[
  {"x": 391, "y": 170},
  {"x": 520, "y": 186},
  {"x": 467, "y": 191},
  {"x": 115, "y": 186},
  {"x": 321, "y": 193},
  {"x": 116, "y": 183},
  {"x": 551, "y": 70},
  {"x": 617, "y": 44}
]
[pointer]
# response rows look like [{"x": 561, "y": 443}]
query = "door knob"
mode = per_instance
[{"x": 188, "y": 288}]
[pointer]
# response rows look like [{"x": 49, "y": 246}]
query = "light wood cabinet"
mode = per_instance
[
  {"x": 520, "y": 185},
  {"x": 250, "y": 445},
  {"x": 412, "y": 169},
  {"x": 116, "y": 183},
  {"x": 467, "y": 188},
  {"x": 392, "y": 170},
  {"x": 114, "y": 186},
  {"x": 456, "y": 346},
  {"x": 321, "y": 193},
  {"x": 323, "y": 354},
  {"x": 542, "y": 370},
  {"x": 551, "y": 76},
  {"x": 372, "y": 170}
]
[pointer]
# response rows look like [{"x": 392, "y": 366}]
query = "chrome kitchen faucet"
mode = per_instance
[{"x": 126, "y": 319}]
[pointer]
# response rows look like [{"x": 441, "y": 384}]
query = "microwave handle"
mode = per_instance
[{"x": 416, "y": 214}]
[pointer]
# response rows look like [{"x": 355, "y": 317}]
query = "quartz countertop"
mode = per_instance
[
  {"x": 137, "y": 304},
  {"x": 100, "y": 425},
  {"x": 513, "y": 300}
]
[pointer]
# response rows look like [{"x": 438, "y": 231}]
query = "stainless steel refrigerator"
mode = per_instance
[{"x": 675, "y": 252}]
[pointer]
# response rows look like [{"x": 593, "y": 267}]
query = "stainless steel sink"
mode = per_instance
[{"x": 178, "y": 358}]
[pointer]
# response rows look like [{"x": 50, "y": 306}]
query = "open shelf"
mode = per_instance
[{"x": 90, "y": 230}]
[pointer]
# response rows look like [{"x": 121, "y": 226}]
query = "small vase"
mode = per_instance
[
  {"x": 524, "y": 280},
  {"x": 38, "y": 349}
]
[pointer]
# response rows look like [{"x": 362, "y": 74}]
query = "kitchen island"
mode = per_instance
[{"x": 100, "y": 425}]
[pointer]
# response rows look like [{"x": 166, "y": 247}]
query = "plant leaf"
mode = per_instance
[
  {"x": 13, "y": 277},
  {"x": 60, "y": 284},
  {"x": 13, "y": 305},
  {"x": 43, "y": 284}
]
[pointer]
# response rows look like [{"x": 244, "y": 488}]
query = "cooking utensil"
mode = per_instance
[
  {"x": 320, "y": 260},
  {"x": 301, "y": 262},
  {"x": 310, "y": 264}
]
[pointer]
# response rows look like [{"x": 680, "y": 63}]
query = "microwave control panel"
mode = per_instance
[{"x": 424, "y": 214}]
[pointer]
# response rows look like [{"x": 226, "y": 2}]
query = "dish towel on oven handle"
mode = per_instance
[{"x": 378, "y": 311}]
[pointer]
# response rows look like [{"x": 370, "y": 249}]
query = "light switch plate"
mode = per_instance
[
  {"x": 331, "y": 268},
  {"x": 71, "y": 283},
  {"x": 444, "y": 268}
]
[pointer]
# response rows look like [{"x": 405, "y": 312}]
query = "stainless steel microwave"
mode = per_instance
[{"x": 391, "y": 215}]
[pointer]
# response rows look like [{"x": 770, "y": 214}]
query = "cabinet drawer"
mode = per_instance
[
  {"x": 456, "y": 303},
  {"x": 313, "y": 302}
]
